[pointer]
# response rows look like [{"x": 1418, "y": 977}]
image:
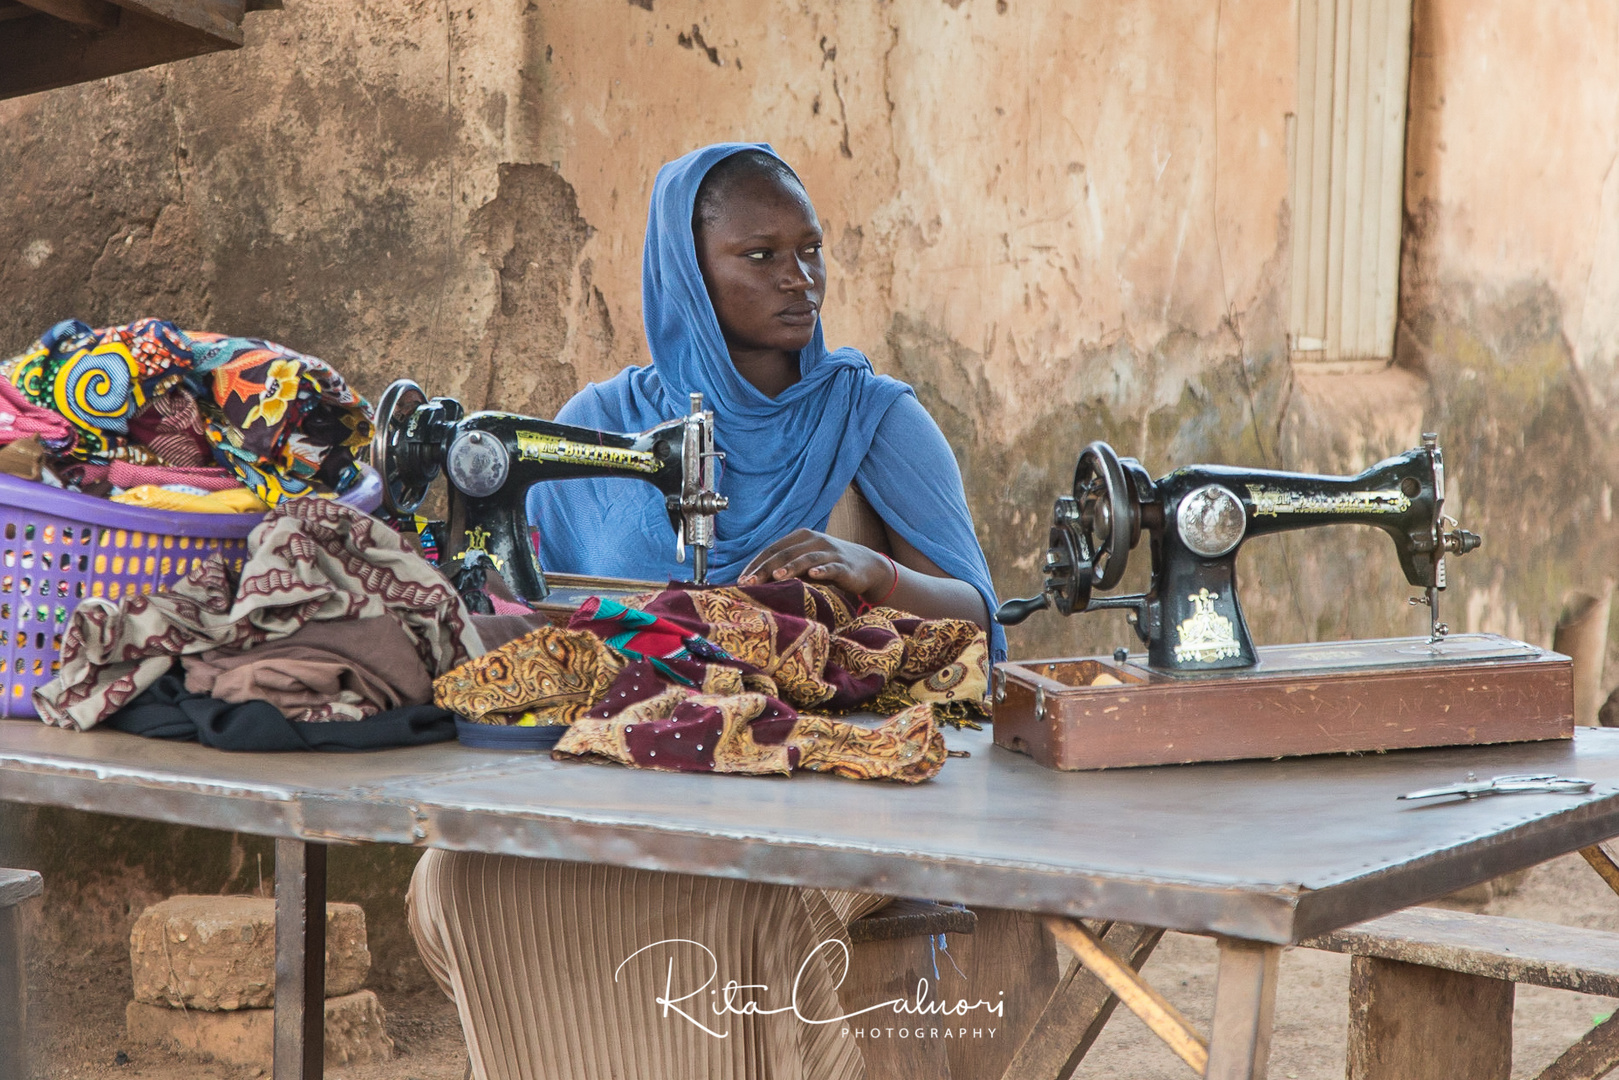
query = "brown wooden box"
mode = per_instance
[{"x": 1329, "y": 698}]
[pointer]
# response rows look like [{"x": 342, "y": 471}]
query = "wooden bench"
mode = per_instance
[
  {"x": 16, "y": 886},
  {"x": 1431, "y": 993},
  {"x": 990, "y": 952}
]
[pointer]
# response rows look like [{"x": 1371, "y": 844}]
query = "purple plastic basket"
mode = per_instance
[{"x": 58, "y": 547}]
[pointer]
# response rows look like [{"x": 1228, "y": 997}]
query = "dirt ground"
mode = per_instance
[{"x": 78, "y": 1003}]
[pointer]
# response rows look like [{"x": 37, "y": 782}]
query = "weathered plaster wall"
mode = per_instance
[
  {"x": 1060, "y": 222},
  {"x": 1510, "y": 289},
  {"x": 1056, "y": 221}
]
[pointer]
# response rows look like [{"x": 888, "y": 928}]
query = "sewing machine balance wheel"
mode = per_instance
[
  {"x": 1107, "y": 514},
  {"x": 404, "y": 485}
]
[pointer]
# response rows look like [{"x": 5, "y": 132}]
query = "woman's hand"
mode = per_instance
[{"x": 818, "y": 557}]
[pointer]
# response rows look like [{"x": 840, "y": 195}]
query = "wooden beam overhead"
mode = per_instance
[
  {"x": 42, "y": 54},
  {"x": 88, "y": 14},
  {"x": 11, "y": 9},
  {"x": 220, "y": 19}
]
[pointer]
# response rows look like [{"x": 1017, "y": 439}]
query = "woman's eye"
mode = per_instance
[
  {"x": 756, "y": 256},
  {"x": 813, "y": 249}
]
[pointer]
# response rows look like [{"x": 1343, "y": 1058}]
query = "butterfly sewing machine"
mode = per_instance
[
  {"x": 1204, "y": 691},
  {"x": 491, "y": 459}
]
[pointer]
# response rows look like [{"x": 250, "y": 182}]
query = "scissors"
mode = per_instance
[{"x": 1473, "y": 787}]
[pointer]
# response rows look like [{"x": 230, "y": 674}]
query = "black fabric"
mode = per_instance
[{"x": 169, "y": 711}]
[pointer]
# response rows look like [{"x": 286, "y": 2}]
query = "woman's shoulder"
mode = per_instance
[{"x": 620, "y": 403}]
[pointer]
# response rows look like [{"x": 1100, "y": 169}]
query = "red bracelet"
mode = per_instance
[{"x": 864, "y": 606}]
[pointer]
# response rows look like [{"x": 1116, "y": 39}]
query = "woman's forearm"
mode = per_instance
[{"x": 929, "y": 596}]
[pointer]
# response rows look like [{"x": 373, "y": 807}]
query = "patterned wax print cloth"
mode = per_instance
[
  {"x": 237, "y": 500},
  {"x": 674, "y": 652},
  {"x": 283, "y": 423},
  {"x": 693, "y": 716},
  {"x": 735, "y": 696},
  {"x": 546, "y": 677},
  {"x": 732, "y": 730},
  {"x": 21, "y": 419},
  {"x": 280, "y": 420},
  {"x": 310, "y": 560},
  {"x": 817, "y": 649}
]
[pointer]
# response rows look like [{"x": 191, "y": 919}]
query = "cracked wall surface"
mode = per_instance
[{"x": 1058, "y": 222}]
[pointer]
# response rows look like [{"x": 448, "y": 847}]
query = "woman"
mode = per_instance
[
  {"x": 541, "y": 956},
  {"x": 732, "y": 284}
]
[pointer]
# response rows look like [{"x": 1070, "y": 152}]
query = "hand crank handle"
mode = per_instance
[{"x": 1015, "y": 611}]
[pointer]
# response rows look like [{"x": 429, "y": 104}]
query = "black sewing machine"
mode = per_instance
[
  {"x": 1197, "y": 518},
  {"x": 491, "y": 459},
  {"x": 1204, "y": 692}
]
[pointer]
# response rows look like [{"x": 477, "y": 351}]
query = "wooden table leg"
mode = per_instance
[
  {"x": 1410, "y": 1022},
  {"x": 1244, "y": 1010},
  {"x": 1078, "y": 1010},
  {"x": 300, "y": 960},
  {"x": 13, "y": 996}
]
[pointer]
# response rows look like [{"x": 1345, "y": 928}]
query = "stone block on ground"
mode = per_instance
[
  {"x": 218, "y": 952},
  {"x": 355, "y": 1031}
]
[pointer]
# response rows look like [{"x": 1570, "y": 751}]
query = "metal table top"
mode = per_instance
[{"x": 1273, "y": 851}]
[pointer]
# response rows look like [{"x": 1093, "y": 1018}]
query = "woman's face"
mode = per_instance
[{"x": 760, "y": 254}]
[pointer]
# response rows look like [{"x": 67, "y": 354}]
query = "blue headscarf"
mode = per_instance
[{"x": 788, "y": 459}]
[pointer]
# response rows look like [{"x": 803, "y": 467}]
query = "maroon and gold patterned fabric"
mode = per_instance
[
  {"x": 546, "y": 677},
  {"x": 754, "y": 733},
  {"x": 721, "y": 680},
  {"x": 815, "y": 649}
]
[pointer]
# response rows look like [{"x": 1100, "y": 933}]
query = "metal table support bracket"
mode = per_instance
[{"x": 300, "y": 960}]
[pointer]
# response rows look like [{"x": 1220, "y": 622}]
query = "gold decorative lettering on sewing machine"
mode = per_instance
[
  {"x": 1197, "y": 518},
  {"x": 491, "y": 459},
  {"x": 535, "y": 446},
  {"x": 1271, "y": 503},
  {"x": 1204, "y": 691}
]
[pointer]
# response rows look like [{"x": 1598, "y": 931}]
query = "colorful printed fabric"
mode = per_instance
[
  {"x": 757, "y": 734},
  {"x": 641, "y": 635},
  {"x": 172, "y": 428},
  {"x": 237, "y": 500},
  {"x": 280, "y": 420},
  {"x": 283, "y": 423},
  {"x": 98, "y": 380},
  {"x": 21, "y": 418},
  {"x": 126, "y": 474},
  {"x": 712, "y": 680},
  {"x": 547, "y": 677},
  {"x": 816, "y": 651},
  {"x": 311, "y": 560},
  {"x": 708, "y": 718}
]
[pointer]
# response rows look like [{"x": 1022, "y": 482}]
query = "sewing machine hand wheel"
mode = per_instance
[
  {"x": 1068, "y": 571},
  {"x": 402, "y": 488},
  {"x": 1106, "y": 514}
]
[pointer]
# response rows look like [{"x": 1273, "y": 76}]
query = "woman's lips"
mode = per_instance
[{"x": 800, "y": 314}]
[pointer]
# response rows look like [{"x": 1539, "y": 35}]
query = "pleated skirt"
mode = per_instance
[{"x": 557, "y": 970}]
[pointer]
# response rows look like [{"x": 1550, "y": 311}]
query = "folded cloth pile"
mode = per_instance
[
  {"x": 331, "y": 618},
  {"x": 714, "y": 680},
  {"x": 190, "y": 411}
]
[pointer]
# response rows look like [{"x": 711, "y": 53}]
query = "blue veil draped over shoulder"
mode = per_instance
[{"x": 788, "y": 459}]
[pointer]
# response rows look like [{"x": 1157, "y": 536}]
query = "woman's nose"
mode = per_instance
[{"x": 798, "y": 277}]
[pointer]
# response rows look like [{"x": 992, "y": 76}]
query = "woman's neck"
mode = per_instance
[{"x": 769, "y": 371}]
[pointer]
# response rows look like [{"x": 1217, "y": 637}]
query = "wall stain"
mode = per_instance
[{"x": 532, "y": 234}]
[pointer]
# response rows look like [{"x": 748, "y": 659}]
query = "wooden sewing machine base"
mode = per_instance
[{"x": 1324, "y": 698}]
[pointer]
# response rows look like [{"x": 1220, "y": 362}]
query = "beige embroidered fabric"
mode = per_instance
[
  {"x": 531, "y": 950},
  {"x": 528, "y": 947}
]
